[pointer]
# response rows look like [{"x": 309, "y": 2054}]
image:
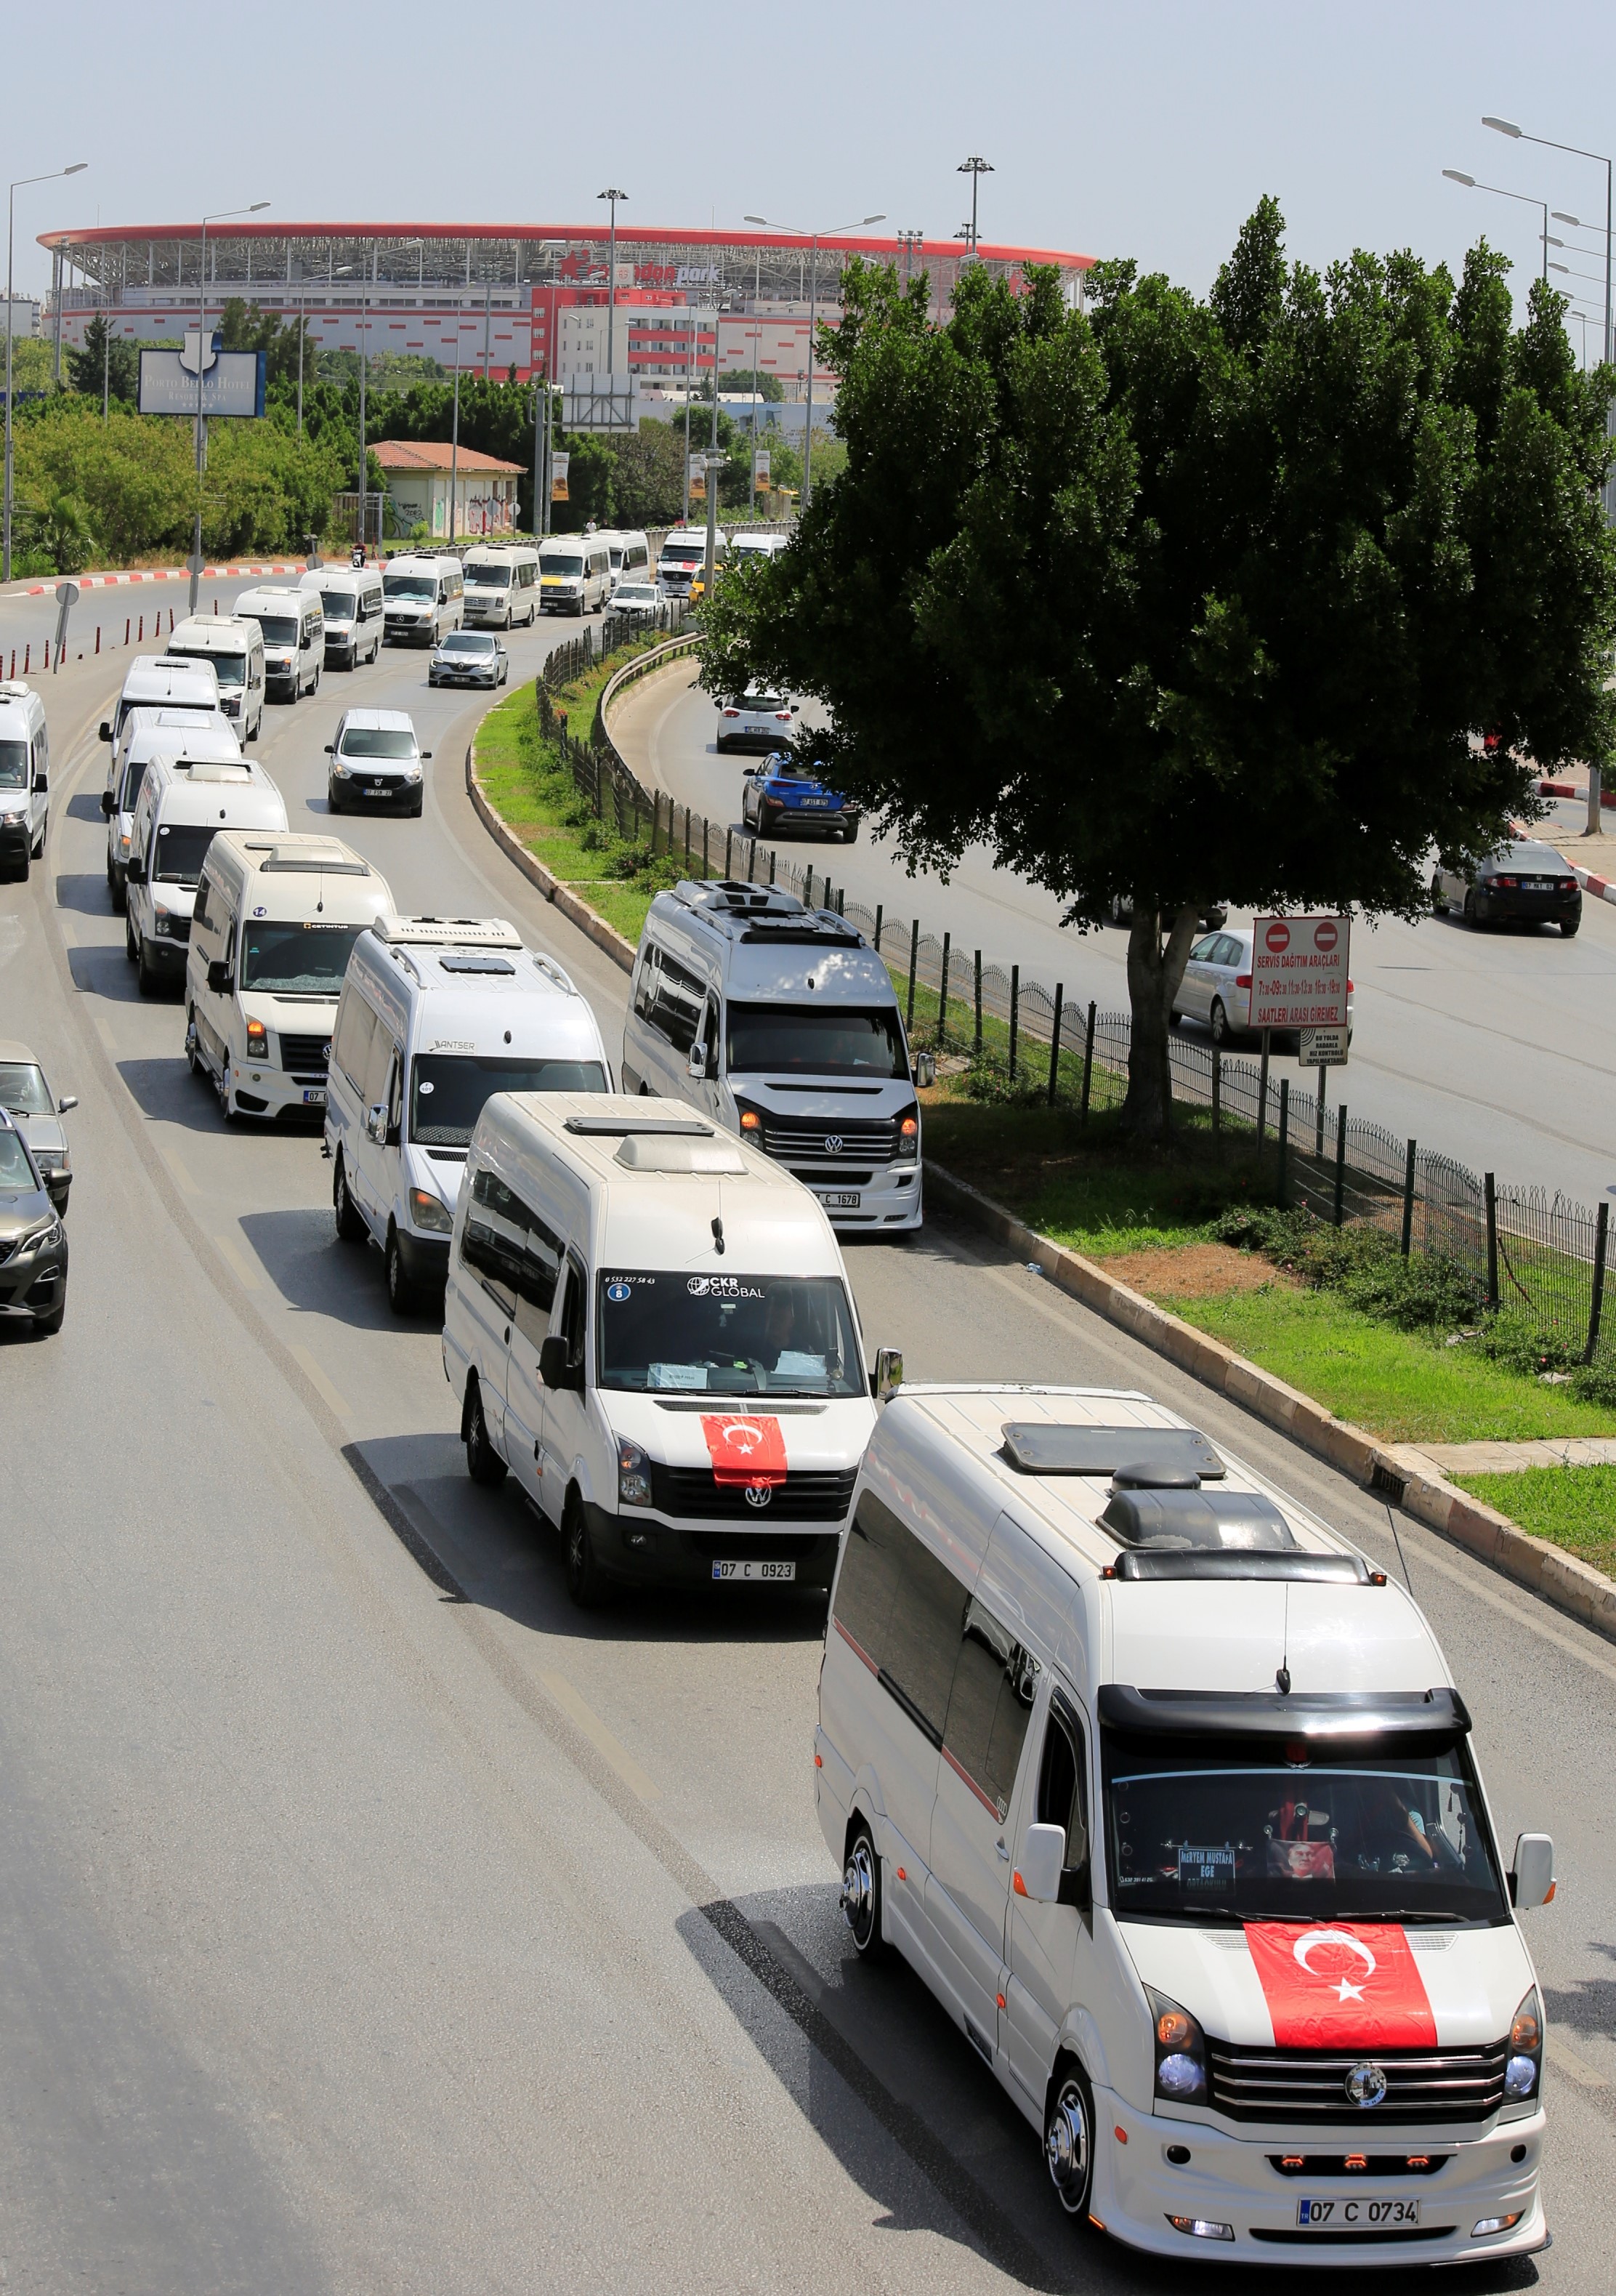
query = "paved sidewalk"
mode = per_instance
[{"x": 1510, "y": 1458}]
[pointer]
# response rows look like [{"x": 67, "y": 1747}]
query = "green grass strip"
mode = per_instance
[{"x": 1572, "y": 1507}]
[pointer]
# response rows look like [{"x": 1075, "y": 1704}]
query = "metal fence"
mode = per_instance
[{"x": 1546, "y": 1257}]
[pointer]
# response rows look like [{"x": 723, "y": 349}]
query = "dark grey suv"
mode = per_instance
[{"x": 33, "y": 1242}]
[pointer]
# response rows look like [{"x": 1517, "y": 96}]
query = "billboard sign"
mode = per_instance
[
  {"x": 558, "y": 464},
  {"x": 698, "y": 477},
  {"x": 233, "y": 382},
  {"x": 1299, "y": 973},
  {"x": 760, "y": 470}
]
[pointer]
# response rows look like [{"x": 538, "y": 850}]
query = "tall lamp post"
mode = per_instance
[
  {"x": 1545, "y": 243},
  {"x": 611, "y": 278},
  {"x": 1519, "y": 135},
  {"x": 50, "y": 176},
  {"x": 795, "y": 231},
  {"x": 976, "y": 169},
  {"x": 224, "y": 215},
  {"x": 909, "y": 242}
]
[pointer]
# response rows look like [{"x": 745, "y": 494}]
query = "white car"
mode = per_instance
[
  {"x": 756, "y": 720},
  {"x": 468, "y": 657},
  {"x": 376, "y": 761},
  {"x": 644, "y": 601},
  {"x": 1216, "y": 988}
]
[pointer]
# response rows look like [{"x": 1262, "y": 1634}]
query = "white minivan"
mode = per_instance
[
  {"x": 575, "y": 574},
  {"x": 176, "y": 734},
  {"x": 436, "y": 1014},
  {"x": 782, "y": 1024},
  {"x": 25, "y": 776},
  {"x": 1168, "y": 1795},
  {"x": 183, "y": 804},
  {"x": 684, "y": 558},
  {"x": 649, "y": 1326},
  {"x": 628, "y": 551},
  {"x": 351, "y": 602},
  {"x": 154, "y": 682},
  {"x": 294, "y": 636},
  {"x": 501, "y": 586},
  {"x": 235, "y": 648},
  {"x": 423, "y": 597},
  {"x": 275, "y": 924}
]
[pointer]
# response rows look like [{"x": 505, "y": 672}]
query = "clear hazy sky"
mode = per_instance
[{"x": 1148, "y": 129}]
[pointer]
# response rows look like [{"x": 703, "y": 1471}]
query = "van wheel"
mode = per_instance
[
  {"x": 350, "y": 1221},
  {"x": 146, "y": 974},
  {"x": 194, "y": 1053},
  {"x": 1069, "y": 2138},
  {"x": 586, "y": 1581},
  {"x": 130, "y": 950},
  {"x": 484, "y": 1463},
  {"x": 861, "y": 1898},
  {"x": 401, "y": 1291}
]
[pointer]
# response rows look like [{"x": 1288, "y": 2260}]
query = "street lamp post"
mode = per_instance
[
  {"x": 611, "y": 277},
  {"x": 976, "y": 169},
  {"x": 50, "y": 176},
  {"x": 1545, "y": 243},
  {"x": 1518, "y": 135},
  {"x": 814, "y": 237},
  {"x": 910, "y": 241},
  {"x": 224, "y": 215}
]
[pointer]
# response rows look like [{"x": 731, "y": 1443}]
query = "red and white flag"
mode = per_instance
[
  {"x": 1346, "y": 1985},
  {"x": 749, "y": 1452}
]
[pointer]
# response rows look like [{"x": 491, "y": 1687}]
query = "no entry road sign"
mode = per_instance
[{"x": 1299, "y": 973}]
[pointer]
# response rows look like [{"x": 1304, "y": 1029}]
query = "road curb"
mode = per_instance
[
  {"x": 577, "y": 912},
  {"x": 146, "y": 574},
  {"x": 1406, "y": 1476}
]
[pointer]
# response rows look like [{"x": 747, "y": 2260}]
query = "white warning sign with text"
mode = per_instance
[{"x": 1299, "y": 973}]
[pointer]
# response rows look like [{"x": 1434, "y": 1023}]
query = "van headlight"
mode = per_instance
[
  {"x": 1524, "y": 2069},
  {"x": 411, "y": 773},
  {"x": 909, "y": 1133},
  {"x": 430, "y": 1212},
  {"x": 633, "y": 1475},
  {"x": 1180, "y": 2051},
  {"x": 257, "y": 1042}
]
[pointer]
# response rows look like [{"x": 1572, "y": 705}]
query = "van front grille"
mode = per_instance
[
  {"x": 1297, "y": 2085},
  {"x": 806, "y": 1496},
  {"x": 312, "y": 1052},
  {"x": 806, "y": 1142}
]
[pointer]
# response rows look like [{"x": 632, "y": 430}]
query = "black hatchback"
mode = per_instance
[
  {"x": 33, "y": 1240},
  {"x": 1524, "y": 883}
]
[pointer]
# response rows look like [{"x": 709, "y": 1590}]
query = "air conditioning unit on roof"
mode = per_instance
[{"x": 447, "y": 932}]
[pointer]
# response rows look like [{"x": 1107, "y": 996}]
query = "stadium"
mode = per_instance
[{"x": 489, "y": 297}]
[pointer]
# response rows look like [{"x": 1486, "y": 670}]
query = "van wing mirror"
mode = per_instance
[
  {"x": 887, "y": 1376},
  {"x": 1531, "y": 1881},
  {"x": 925, "y": 1071},
  {"x": 1043, "y": 1856},
  {"x": 425, "y": 755},
  {"x": 698, "y": 1065},
  {"x": 108, "y": 804},
  {"x": 106, "y": 729},
  {"x": 376, "y": 1124},
  {"x": 219, "y": 976},
  {"x": 553, "y": 1360}
]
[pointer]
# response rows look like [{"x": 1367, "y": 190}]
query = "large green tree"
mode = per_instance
[
  {"x": 106, "y": 361},
  {"x": 1188, "y": 599}
]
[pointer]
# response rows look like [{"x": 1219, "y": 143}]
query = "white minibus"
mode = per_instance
[
  {"x": 183, "y": 804},
  {"x": 294, "y": 636},
  {"x": 629, "y": 553},
  {"x": 176, "y": 733},
  {"x": 575, "y": 574},
  {"x": 423, "y": 596},
  {"x": 501, "y": 586},
  {"x": 684, "y": 556},
  {"x": 153, "y": 682},
  {"x": 351, "y": 602},
  {"x": 235, "y": 648}
]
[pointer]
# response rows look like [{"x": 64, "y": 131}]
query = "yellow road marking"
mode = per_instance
[
  {"x": 241, "y": 1266},
  {"x": 1566, "y": 2061},
  {"x": 336, "y": 1403},
  {"x": 577, "y": 1709}
]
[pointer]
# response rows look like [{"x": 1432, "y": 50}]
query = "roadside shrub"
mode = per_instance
[
  {"x": 1426, "y": 1292},
  {"x": 1515, "y": 1339}
]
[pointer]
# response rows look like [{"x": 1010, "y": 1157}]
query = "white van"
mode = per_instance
[
  {"x": 684, "y": 556},
  {"x": 25, "y": 777},
  {"x": 501, "y": 586},
  {"x": 782, "y": 1024},
  {"x": 1167, "y": 1794},
  {"x": 351, "y": 602},
  {"x": 423, "y": 597},
  {"x": 235, "y": 647},
  {"x": 743, "y": 545},
  {"x": 182, "y": 805},
  {"x": 153, "y": 682},
  {"x": 575, "y": 574},
  {"x": 649, "y": 1326},
  {"x": 275, "y": 924},
  {"x": 437, "y": 1013},
  {"x": 294, "y": 636},
  {"x": 176, "y": 733},
  {"x": 630, "y": 552}
]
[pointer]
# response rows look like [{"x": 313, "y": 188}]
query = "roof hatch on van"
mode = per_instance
[
  {"x": 473, "y": 960},
  {"x": 310, "y": 861},
  {"x": 614, "y": 1127},
  {"x": 1044, "y": 1446},
  {"x": 1242, "y": 1520},
  {"x": 640, "y": 1153}
]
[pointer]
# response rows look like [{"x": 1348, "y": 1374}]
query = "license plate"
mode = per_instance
[
  {"x": 313, "y": 1100},
  {"x": 1358, "y": 2213},
  {"x": 777, "y": 1571},
  {"x": 846, "y": 1203},
  {"x": 816, "y": 804}
]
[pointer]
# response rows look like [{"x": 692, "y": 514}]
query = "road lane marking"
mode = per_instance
[
  {"x": 238, "y": 1263},
  {"x": 181, "y": 1177},
  {"x": 306, "y": 1362},
  {"x": 1566, "y": 2061},
  {"x": 577, "y": 1709}
]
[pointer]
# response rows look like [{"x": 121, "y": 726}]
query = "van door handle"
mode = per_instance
[{"x": 1003, "y": 1852}]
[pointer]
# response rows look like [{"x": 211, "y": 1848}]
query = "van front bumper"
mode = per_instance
[
  {"x": 1232, "y": 2181},
  {"x": 426, "y": 1259},
  {"x": 644, "y": 1549},
  {"x": 261, "y": 1091},
  {"x": 890, "y": 1201},
  {"x": 16, "y": 840}
]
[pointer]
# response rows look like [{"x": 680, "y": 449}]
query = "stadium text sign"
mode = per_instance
[{"x": 1299, "y": 973}]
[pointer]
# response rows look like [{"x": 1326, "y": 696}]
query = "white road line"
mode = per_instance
[
  {"x": 1567, "y": 2061},
  {"x": 577, "y": 1709},
  {"x": 171, "y": 1158}
]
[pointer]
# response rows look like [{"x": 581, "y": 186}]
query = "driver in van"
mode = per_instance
[{"x": 1392, "y": 1836}]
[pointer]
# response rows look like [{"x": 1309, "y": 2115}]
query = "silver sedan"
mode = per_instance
[{"x": 1216, "y": 988}]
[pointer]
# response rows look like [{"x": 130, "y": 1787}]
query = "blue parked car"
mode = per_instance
[{"x": 782, "y": 793}]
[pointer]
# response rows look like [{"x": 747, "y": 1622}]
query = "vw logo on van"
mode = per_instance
[
  {"x": 1366, "y": 2084},
  {"x": 325, "y": 1053},
  {"x": 833, "y": 1144},
  {"x": 759, "y": 1495}
]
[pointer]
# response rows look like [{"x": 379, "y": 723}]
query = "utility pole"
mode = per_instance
[
  {"x": 106, "y": 369},
  {"x": 814, "y": 237},
  {"x": 454, "y": 447},
  {"x": 302, "y": 324},
  {"x": 224, "y": 216},
  {"x": 365, "y": 346}
]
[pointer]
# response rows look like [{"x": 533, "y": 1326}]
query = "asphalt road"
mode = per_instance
[
  {"x": 370, "y": 1919},
  {"x": 1497, "y": 1048}
]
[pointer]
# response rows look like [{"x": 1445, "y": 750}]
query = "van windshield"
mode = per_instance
[
  {"x": 378, "y": 742},
  {"x": 305, "y": 959},
  {"x": 408, "y": 586},
  {"x": 1205, "y": 1832},
  {"x": 488, "y": 578},
  {"x": 182, "y": 847},
  {"x": 447, "y": 1090},
  {"x": 815, "y": 1040},
  {"x": 230, "y": 668},
  {"x": 14, "y": 765},
  {"x": 727, "y": 1334},
  {"x": 337, "y": 605},
  {"x": 566, "y": 566},
  {"x": 278, "y": 629},
  {"x": 684, "y": 553}
]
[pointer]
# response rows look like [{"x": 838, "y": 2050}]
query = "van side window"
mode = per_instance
[
  {"x": 675, "y": 1010},
  {"x": 198, "y": 915},
  {"x": 902, "y": 1607},
  {"x": 1063, "y": 1785},
  {"x": 373, "y": 1084},
  {"x": 990, "y": 1705},
  {"x": 573, "y": 1315},
  {"x": 711, "y": 1036},
  {"x": 535, "y": 1286},
  {"x": 351, "y": 1045},
  {"x": 496, "y": 1234}
]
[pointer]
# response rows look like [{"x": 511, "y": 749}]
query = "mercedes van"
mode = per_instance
[
  {"x": 234, "y": 646},
  {"x": 501, "y": 586},
  {"x": 25, "y": 776},
  {"x": 782, "y": 1024},
  {"x": 182, "y": 805},
  {"x": 649, "y": 1325},
  {"x": 575, "y": 574},
  {"x": 423, "y": 597},
  {"x": 154, "y": 682},
  {"x": 351, "y": 602},
  {"x": 275, "y": 924},
  {"x": 176, "y": 733},
  {"x": 436, "y": 1014},
  {"x": 684, "y": 558},
  {"x": 293, "y": 627},
  {"x": 628, "y": 551},
  {"x": 1168, "y": 1795}
]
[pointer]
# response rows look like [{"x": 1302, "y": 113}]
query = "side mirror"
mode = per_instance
[
  {"x": 698, "y": 1067},
  {"x": 553, "y": 1360},
  {"x": 42, "y": 783},
  {"x": 1043, "y": 1854},
  {"x": 219, "y": 976},
  {"x": 425, "y": 755},
  {"x": 887, "y": 1377},
  {"x": 106, "y": 729},
  {"x": 1532, "y": 1882},
  {"x": 108, "y": 804},
  {"x": 925, "y": 1071},
  {"x": 376, "y": 1124},
  {"x": 68, "y": 1100},
  {"x": 330, "y": 749},
  {"x": 136, "y": 872}
]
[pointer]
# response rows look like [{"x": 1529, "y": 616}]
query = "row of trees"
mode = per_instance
[{"x": 1191, "y": 599}]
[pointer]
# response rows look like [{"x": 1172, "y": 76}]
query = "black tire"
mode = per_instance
[
  {"x": 415, "y": 810},
  {"x": 45, "y": 1327},
  {"x": 1069, "y": 2138},
  {"x": 350, "y": 1220},
  {"x": 193, "y": 1051},
  {"x": 851, "y": 836},
  {"x": 585, "y": 1580},
  {"x": 332, "y": 804},
  {"x": 484, "y": 1463},
  {"x": 1568, "y": 928},
  {"x": 130, "y": 950},
  {"x": 1471, "y": 918},
  {"x": 38, "y": 850},
  {"x": 24, "y": 865},
  {"x": 148, "y": 979},
  {"x": 1438, "y": 899},
  {"x": 1220, "y": 1024},
  {"x": 400, "y": 1287},
  {"x": 860, "y": 1899}
]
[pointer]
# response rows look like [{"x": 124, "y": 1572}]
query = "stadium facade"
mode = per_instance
[{"x": 488, "y": 298}]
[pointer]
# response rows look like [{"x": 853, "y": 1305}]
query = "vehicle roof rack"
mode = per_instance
[
  {"x": 1045, "y": 1446},
  {"x": 615, "y": 1128},
  {"x": 765, "y": 913},
  {"x": 1247, "y": 1562},
  {"x": 447, "y": 932}
]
